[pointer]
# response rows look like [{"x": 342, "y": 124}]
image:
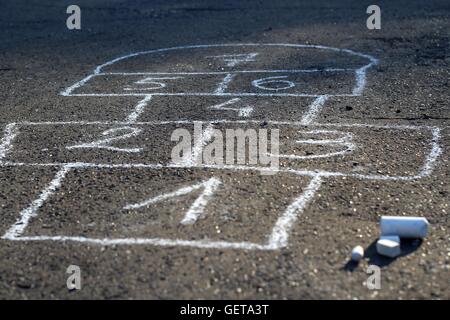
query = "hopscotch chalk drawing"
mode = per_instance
[{"x": 234, "y": 82}]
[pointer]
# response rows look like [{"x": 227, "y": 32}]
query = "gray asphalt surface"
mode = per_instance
[{"x": 40, "y": 57}]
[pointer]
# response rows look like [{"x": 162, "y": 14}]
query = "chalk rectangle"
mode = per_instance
[
  {"x": 363, "y": 151},
  {"x": 100, "y": 205},
  {"x": 294, "y": 83},
  {"x": 194, "y": 108},
  {"x": 145, "y": 84},
  {"x": 268, "y": 83}
]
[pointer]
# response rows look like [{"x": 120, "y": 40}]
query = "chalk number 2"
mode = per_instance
[{"x": 111, "y": 136}]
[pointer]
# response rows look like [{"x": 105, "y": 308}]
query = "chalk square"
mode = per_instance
[
  {"x": 206, "y": 109},
  {"x": 97, "y": 209},
  {"x": 145, "y": 84},
  {"x": 293, "y": 83}
]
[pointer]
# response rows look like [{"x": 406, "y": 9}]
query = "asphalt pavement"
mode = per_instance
[{"x": 87, "y": 172}]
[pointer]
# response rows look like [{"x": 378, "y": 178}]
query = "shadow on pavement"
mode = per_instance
[{"x": 408, "y": 246}]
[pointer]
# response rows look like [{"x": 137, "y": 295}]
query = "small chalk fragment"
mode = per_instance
[
  {"x": 404, "y": 227},
  {"x": 389, "y": 246},
  {"x": 357, "y": 253}
]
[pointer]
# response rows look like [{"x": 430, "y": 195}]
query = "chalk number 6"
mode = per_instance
[{"x": 273, "y": 83}]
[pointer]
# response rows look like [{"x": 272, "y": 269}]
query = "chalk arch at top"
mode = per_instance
[
  {"x": 230, "y": 69},
  {"x": 238, "y": 57}
]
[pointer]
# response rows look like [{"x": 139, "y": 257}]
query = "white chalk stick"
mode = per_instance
[
  {"x": 389, "y": 246},
  {"x": 404, "y": 227},
  {"x": 357, "y": 253}
]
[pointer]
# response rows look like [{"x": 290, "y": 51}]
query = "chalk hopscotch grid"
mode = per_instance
[
  {"x": 277, "y": 239},
  {"x": 280, "y": 233}
]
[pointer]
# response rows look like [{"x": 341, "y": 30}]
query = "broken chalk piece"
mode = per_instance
[
  {"x": 357, "y": 253},
  {"x": 389, "y": 246},
  {"x": 404, "y": 227}
]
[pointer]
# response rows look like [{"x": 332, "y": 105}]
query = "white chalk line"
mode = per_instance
[
  {"x": 313, "y": 110},
  {"x": 201, "y": 244},
  {"x": 227, "y": 72},
  {"x": 218, "y": 121},
  {"x": 10, "y": 132},
  {"x": 77, "y": 85},
  {"x": 28, "y": 213},
  {"x": 86, "y": 165},
  {"x": 138, "y": 109},
  {"x": 224, "y": 84},
  {"x": 309, "y": 173},
  {"x": 360, "y": 76},
  {"x": 212, "y": 94},
  {"x": 280, "y": 232},
  {"x": 434, "y": 154}
]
